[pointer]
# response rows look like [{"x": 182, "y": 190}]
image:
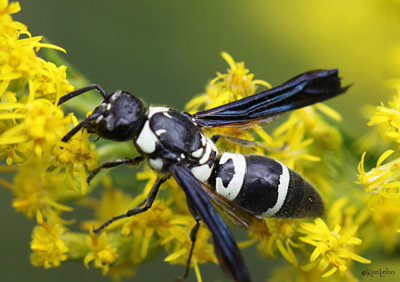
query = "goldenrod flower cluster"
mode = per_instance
[
  {"x": 31, "y": 127},
  {"x": 49, "y": 176},
  {"x": 381, "y": 182}
]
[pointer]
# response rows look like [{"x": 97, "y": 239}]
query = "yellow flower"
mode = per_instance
[
  {"x": 383, "y": 180},
  {"x": 36, "y": 192},
  {"x": 332, "y": 247},
  {"x": 113, "y": 202},
  {"x": 283, "y": 232},
  {"x": 297, "y": 274},
  {"x": 237, "y": 83},
  {"x": 51, "y": 83},
  {"x": 102, "y": 253},
  {"x": 178, "y": 244},
  {"x": 41, "y": 125},
  {"x": 148, "y": 228},
  {"x": 75, "y": 156},
  {"x": 292, "y": 146},
  {"x": 388, "y": 118},
  {"x": 47, "y": 244},
  {"x": 19, "y": 61},
  {"x": 7, "y": 25},
  {"x": 386, "y": 221}
]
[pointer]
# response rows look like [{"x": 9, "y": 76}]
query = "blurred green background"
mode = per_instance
[{"x": 166, "y": 51}]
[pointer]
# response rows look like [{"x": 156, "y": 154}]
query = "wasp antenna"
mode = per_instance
[
  {"x": 80, "y": 91},
  {"x": 80, "y": 125}
]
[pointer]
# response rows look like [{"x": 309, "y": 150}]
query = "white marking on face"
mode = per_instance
[
  {"x": 147, "y": 140},
  {"x": 202, "y": 172},
  {"x": 235, "y": 184},
  {"x": 198, "y": 153},
  {"x": 283, "y": 188},
  {"x": 160, "y": 131},
  {"x": 108, "y": 107},
  {"x": 155, "y": 110},
  {"x": 108, "y": 123},
  {"x": 99, "y": 119},
  {"x": 156, "y": 164},
  {"x": 182, "y": 156}
]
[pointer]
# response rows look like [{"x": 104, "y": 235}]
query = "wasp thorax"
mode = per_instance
[{"x": 120, "y": 118}]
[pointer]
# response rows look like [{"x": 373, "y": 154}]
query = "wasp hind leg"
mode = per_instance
[
  {"x": 193, "y": 237},
  {"x": 148, "y": 203}
]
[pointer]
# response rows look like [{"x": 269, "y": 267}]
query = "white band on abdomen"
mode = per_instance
[
  {"x": 283, "y": 188},
  {"x": 235, "y": 184}
]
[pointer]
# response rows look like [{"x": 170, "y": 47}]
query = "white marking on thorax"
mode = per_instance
[
  {"x": 235, "y": 184},
  {"x": 202, "y": 172},
  {"x": 116, "y": 95},
  {"x": 160, "y": 131},
  {"x": 213, "y": 147},
  {"x": 203, "y": 140},
  {"x": 155, "y": 110},
  {"x": 209, "y": 148},
  {"x": 283, "y": 188},
  {"x": 156, "y": 164},
  {"x": 167, "y": 115},
  {"x": 108, "y": 107},
  {"x": 206, "y": 155},
  {"x": 198, "y": 153},
  {"x": 147, "y": 140}
]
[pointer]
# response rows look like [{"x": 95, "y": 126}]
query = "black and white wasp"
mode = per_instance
[{"x": 174, "y": 145}]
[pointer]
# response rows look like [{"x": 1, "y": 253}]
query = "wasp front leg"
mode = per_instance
[{"x": 133, "y": 162}]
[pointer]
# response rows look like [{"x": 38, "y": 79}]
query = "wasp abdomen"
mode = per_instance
[{"x": 265, "y": 187}]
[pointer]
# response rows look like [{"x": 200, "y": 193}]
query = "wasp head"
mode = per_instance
[{"x": 120, "y": 118}]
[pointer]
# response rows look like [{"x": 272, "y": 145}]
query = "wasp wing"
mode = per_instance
[
  {"x": 236, "y": 214},
  {"x": 303, "y": 90},
  {"x": 228, "y": 253}
]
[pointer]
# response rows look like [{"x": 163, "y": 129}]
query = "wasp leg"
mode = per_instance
[
  {"x": 241, "y": 142},
  {"x": 115, "y": 163},
  {"x": 247, "y": 143},
  {"x": 193, "y": 237},
  {"x": 80, "y": 91},
  {"x": 149, "y": 202}
]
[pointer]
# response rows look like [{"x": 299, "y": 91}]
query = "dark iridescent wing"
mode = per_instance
[
  {"x": 228, "y": 253},
  {"x": 303, "y": 90},
  {"x": 237, "y": 215}
]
